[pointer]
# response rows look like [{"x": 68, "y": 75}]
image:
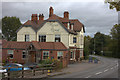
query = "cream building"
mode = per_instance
[{"x": 55, "y": 29}]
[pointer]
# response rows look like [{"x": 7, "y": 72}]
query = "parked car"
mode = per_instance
[
  {"x": 14, "y": 65},
  {"x": 31, "y": 65}
]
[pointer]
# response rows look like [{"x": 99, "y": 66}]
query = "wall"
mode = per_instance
[
  {"x": 17, "y": 56},
  {"x": 50, "y": 29},
  {"x": 26, "y": 30}
]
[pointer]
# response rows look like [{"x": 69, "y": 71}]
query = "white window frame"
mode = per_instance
[
  {"x": 27, "y": 37},
  {"x": 44, "y": 55},
  {"x": 57, "y": 36},
  {"x": 59, "y": 54},
  {"x": 24, "y": 54},
  {"x": 12, "y": 52},
  {"x": 42, "y": 37}
]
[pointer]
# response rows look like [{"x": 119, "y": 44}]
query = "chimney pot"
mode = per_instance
[
  {"x": 66, "y": 14},
  {"x": 34, "y": 17},
  {"x": 50, "y": 11},
  {"x": 41, "y": 17}
]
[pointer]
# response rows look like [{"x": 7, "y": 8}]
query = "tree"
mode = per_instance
[
  {"x": 87, "y": 44},
  {"x": 9, "y": 27},
  {"x": 115, "y": 33},
  {"x": 114, "y": 4}
]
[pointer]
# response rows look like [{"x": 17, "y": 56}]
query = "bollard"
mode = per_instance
[
  {"x": 22, "y": 72},
  {"x": 48, "y": 72},
  {"x": 8, "y": 75}
]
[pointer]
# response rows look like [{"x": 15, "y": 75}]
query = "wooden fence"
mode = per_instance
[{"x": 26, "y": 73}]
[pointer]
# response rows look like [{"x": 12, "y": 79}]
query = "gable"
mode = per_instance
[
  {"x": 52, "y": 28},
  {"x": 26, "y": 30}
]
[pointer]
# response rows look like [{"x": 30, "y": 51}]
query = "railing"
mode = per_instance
[{"x": 27, "y": 73}]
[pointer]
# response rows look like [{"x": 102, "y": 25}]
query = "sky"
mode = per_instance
[{"x": 95, "y": 15}]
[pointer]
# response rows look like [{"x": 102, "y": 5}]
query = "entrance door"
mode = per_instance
[{"x": 32, "y": 56}]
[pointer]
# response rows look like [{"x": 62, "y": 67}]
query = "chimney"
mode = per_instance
[
  {"x": 41, "y": 17},
  {"x": 34, "y": 17},
  {"x": 50, "y": 11},
  {"x": 66, "y": 14}
]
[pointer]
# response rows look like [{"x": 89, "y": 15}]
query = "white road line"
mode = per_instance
[
  {"x": 106, "y": 70},
  {"x": 88, "y": 76},
  {"x": 98, "y": 73},
  {"x": 112, "y": 68}
]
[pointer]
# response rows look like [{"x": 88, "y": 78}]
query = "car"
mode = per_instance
[
  {"x": 31, "y": 65},
  {"x": 13, "y": 67}
]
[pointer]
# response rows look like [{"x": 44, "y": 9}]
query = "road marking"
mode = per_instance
[
  {"x": 106, "y": 70},
  {"x": 98, "y": 73},
  {"x": 112, "y": 68},
  {"x": 117, "y": 64},
  {"x": 88, "y": 76}
]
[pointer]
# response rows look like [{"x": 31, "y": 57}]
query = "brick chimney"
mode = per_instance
[
  {"x": 34, "y": 17},
  {"x": 50, "y": 11},
  {"x": 41, "y": 17},
  {"x": 66, "y": 14}
]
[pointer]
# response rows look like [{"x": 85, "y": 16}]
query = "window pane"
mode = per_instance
[
  {"x": 23, "y": 54},
  {"x": 59, "y": 54},
  {"x": 74, "y": 40},
  {"x": 10, "y": 52},
  {"x": 26, "y": 37},
  {"x": 57, "y": 38},
  {"x": 42, "y": 38},
  {"x": 45, "y": 54}
]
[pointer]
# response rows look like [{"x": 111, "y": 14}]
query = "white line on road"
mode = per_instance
[
  {"x": 112, "y": 68},
  {"x": 88, "y": 76},
  {"x": 98, "y": 73},
  {"x": 106, "y": 70}
]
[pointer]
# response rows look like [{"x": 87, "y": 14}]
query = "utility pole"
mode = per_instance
[{"x": 94, "y": 45}]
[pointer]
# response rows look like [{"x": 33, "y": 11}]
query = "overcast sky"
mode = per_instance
[{"x": 96, "y": 16}]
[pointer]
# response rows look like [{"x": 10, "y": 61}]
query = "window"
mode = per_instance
[
  {"x": 23, "y": 54},
  {"x": 74, "y": 39},
  {"x": 10, "y": 53},
  {"x": 45, "y": 54},
  {"x": 71, "y": 56},
  {"x": 57, "y": 38},
  {"x": 26, "y": 38},
  {"x": 42, "y": 38},
  {"x": 59, "y": 54}
]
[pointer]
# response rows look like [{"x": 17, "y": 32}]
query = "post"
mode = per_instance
[
  {"x": 22, "y": 72},
  {"x": 33, "y": 72},
  {"x": 8, "y": 73}
]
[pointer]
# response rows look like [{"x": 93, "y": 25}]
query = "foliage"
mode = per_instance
[
  {"x": 114, "y": 4},
  {"x": 9, "y": 27},
  {"x": 115, "y": 33},
  {"x": 86, "y": 46}
]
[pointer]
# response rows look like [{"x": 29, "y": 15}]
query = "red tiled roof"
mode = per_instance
[
  {"x": 37, "y": 45},
  {"x": 15, "y": 45},
  {"x": 38, "y": 24}
]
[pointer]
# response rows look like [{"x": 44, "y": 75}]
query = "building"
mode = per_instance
[
  {"x": 55, "y": 29},
  {"x": 33, "y": 52}
]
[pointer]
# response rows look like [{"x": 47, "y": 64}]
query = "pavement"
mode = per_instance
[
  {"x": 72, "y": 68},
  {"x": 105, "y": 68}
]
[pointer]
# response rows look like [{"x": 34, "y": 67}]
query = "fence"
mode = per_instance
[{"x": 26, "y": 73}]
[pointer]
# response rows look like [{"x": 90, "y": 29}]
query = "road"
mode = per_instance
[{"x": 108, "y": 69}]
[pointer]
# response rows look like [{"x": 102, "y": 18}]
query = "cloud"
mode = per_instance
[{"x": 96, "y": 16}]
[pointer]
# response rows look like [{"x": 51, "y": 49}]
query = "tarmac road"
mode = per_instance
[{"x": 108, "y": 69}]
